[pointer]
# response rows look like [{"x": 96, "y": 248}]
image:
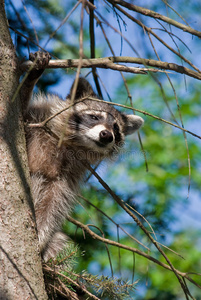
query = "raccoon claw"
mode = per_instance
[{"x": 40, "y": 59}]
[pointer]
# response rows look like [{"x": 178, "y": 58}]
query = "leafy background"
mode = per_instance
[{"x": 161, "y": 195}]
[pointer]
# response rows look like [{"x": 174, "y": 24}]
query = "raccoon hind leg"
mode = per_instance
[{"x": 54, "y": 246}]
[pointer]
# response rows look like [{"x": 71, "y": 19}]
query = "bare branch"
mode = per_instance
[
  {"x": 63, "y": 22},
  {"x": 148, "y": 30},
  {"x": 125, "y": 208},
  {"x": 110, "y": 63},
  {"x": 131, "y": 249},
  {"x": 179, "y": 110},
  {"x": 119, "y": 226},
  {"x": 93, "y": 48},
  {"x": 155, "y": 15},
  {"x": 126, "y": 86},
  {"x": 44, "y": 123},
  {"x": 81, "y": 54}
]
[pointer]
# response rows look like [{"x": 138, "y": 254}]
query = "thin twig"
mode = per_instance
[
  {"x": 63, "y": 22},
  {"x": 118, "y": 225},
  {"x": 28, "y": 39},
  {"x": 155, "y": 15},
  {"x": 131, "y": 249},
  {"x": 147, "y": 29},
  {"x": 34, "y": 29},
  {"x": 180, "y": 115},
  {"x": 176, "y": 12},
  {"x": 148, "y": 114},
  {"x": 127, "y": 89},
  {"x": 44, "y": 123},
  {"x": 107, "y": 249},
  {"x": 119, "y": 201},
  {"x": 93, "y": 48},
  {"x": 81, "y": 52}
]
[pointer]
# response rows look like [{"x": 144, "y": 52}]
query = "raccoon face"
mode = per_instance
[
  {"x": 102, "y": 131},
  {"x": 95, "y": 130},
  {"x": 97, "y": 126}
]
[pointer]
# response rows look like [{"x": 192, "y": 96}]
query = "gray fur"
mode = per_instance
[{"x": 56, "y": 173}]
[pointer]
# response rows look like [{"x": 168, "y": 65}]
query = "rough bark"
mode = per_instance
[{"x": 21, "y": 274}]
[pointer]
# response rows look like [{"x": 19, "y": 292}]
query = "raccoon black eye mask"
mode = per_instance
[{"x": 89, "y": 136}]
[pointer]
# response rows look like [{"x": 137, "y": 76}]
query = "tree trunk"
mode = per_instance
[{"x": 21, "y": 274}]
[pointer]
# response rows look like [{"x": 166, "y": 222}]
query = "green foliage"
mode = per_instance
[{"x": 60, "y": 278}]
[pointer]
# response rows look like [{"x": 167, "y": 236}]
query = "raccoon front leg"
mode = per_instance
[{"x": 41, "y": 60}]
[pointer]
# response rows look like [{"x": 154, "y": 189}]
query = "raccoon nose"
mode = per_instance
[{"x": 106, "y": 137}]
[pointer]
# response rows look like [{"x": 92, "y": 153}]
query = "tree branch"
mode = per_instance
[
  {"x": 117, "y": 225},
  {"x": 111, "y": 63},
  {"x": 134, "y": 250},
  {"x": 44, "y": 123},
  {"x": 155, "y": 15},
  {"x": 138, "y": 222},
  {"x": 148, "y": 30}
]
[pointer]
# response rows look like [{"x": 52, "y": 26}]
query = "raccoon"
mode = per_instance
[{"x": 91, "y": 131}]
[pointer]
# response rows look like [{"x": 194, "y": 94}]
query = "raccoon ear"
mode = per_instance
[
  {"x": 131, "y": 123},
  {"x": 84, "y": 88}
]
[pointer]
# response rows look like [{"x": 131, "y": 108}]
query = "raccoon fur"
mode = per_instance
[{"x": 92, "y": 131}]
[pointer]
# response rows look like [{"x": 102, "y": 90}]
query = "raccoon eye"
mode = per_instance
[
  {"x": 116, "y": 127},
  {"x": 94, "y": 117}
]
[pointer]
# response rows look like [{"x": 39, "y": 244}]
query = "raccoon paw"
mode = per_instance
[
  {"x": 54, "y": 246},
  {"x": 40, "y": 59}
]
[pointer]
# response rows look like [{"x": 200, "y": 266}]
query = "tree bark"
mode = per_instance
[{"x": 21, "y": 274}]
